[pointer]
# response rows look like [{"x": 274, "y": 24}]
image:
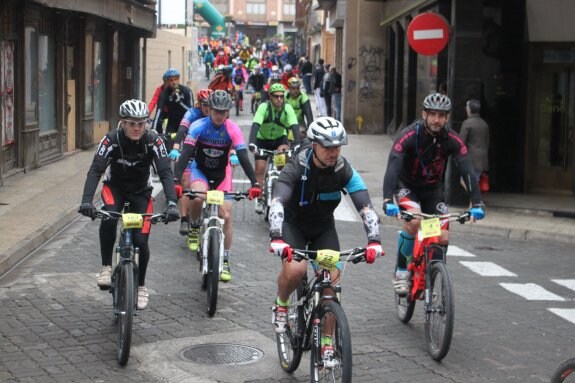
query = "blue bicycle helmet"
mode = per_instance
[{"x": 172, "y": 72}]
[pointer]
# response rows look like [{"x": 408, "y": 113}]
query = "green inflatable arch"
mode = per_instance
[{"x": 217, "y": 22}]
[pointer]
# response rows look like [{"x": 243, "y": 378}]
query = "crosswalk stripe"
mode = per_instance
[
  {"x": 487, "y": 269},
  {"x": 458, "y": 252},
  {"x": 567, "y": 314},
  {"x": 569, "y": 283},
  {"x": 532, "y": 292}
]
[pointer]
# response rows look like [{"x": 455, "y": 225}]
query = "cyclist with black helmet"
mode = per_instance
[
  {"x": 272, "y": 121},
  {"x": 174, "y": 102},
  {"x": 209, "y": 142},
  {"x": 125, "y": 155},
  {"x": 203, "y": 110},
  {"x": 307, "y": 192},
  {"x": 415, "y": 175},
  {"x": 257, "y": 81}
]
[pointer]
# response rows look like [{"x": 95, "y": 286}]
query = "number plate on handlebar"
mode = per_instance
[
  {"x": 215, "y": 197},
  {"x": 132, "y": 220},
  {"x": 327, "y": 259},
  {"x": 431, "y": 227},
  {"x": 280, "y": 159}
]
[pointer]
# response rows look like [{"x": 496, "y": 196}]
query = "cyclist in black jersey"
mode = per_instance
[
  {"x": 306, "y": 194},
  {"x": 415, "y": 176},
  {"x": 125, "y": 155}
]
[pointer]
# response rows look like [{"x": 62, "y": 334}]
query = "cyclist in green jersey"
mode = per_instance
[
  {"x": 269, "y": 130},
  {"x": 300, "y": 104}
]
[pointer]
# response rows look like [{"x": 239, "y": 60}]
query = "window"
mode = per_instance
[
  {"x": 256, "y": 7},
  {"x": 289, "y": 8},
  {"x": 99, "y": 81},
  {"x": 31, "y": 73},
  {"x": 46, "y": 87}
]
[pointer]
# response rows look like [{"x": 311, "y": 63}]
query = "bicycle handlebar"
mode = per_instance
[
  {"x": 237, "y": 196},
  {"x": 354, "y": 255},
  {"x": 105, "y": 215},
  {"x": 266, "y": 152},
  {"x": 458, "y": 217}
]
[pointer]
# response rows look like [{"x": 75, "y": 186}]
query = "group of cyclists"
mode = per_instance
[{"x": 208, "y": 144}]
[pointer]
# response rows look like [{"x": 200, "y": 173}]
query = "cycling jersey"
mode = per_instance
[
  {"x": 126, "y": 164},
  {"x": 419, "y": 159},
  {"x": 257, "y": 81},
  {"x": 301, "y": 107},
  {"x": 270, "y": 124},
  {"x": 177, "y": 102},
  {"x": 190, "y": 116}
]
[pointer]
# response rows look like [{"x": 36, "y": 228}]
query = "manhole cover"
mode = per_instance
[{"x": 221, "y": 353}]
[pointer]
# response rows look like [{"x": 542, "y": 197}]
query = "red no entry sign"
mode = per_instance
[{"x": 428, "y": 33}]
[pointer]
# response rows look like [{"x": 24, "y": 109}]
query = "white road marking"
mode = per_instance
[
  {"x": 428, "y": 34},
  {"x": 532, "y": 292},
  {"x": 569, "y": 283},
  {"x": 567, "y": 314},
  {"x": 458, "y": 252},
  {"x": 488, "y": 269}
]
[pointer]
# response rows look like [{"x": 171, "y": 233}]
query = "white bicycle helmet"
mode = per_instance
[
  {"x": 437, "y": 101},
  {"x": 327, "y": 131},
  {"x": 134, "y": 109}
]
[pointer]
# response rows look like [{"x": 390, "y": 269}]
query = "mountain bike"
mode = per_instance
[
  {"x": 211, "y": 246},
  {"x": 257, "y": 101},
  {"x": 565, "y": 372},
  {"x": 429, "y": 280},
  {"x": 124, "y": 288},
  {"x": 315, "y": 312},
  {"x": 275, "y": 159}
]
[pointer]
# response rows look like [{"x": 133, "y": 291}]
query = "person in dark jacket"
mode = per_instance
[{"x": 317, "y": 77}]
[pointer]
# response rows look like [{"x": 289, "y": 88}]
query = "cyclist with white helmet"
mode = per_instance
[
  {"x": 209, "y": 142},
  {"x": 125, "y": 155},
  {"x": 272, "y": 121},
  {"x": 287, "y": 74},
  {"x": 415, "y": 175},
  {"x": 307, "y": 192}
]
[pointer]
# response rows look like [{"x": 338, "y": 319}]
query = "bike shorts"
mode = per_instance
[
  {"x": 315, "y": 237},
  {"x": 429, "y": 199},
  {"x": 270, "y": 145},
  {"x": 223, "y": 180},
  {"x": 113, "y": 199}
]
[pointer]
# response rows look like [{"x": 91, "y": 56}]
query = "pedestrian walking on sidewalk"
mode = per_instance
[
  {"x": 325, "y": 90},
  {"x": 317, "y": 77},
  {"x": 335, "y": 91},
  {"x": 475, "y": 134}
]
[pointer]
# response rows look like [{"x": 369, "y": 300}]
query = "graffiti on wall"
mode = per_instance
[{"x": 370, "y": 64}]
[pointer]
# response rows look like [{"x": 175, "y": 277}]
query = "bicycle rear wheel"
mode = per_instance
[
  {"x": 237, "y": 104},
  {"x": 126, "y": 293},
  {"x": 439, "y": 317},
  {"x": 289, "y": 343},
  {"x": 333, "y": 322},
  {"x": 565, "y": 372},
  {"x": 213, "y": 275}
]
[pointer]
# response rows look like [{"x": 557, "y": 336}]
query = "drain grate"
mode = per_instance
[{"x": 221, "y": 353}]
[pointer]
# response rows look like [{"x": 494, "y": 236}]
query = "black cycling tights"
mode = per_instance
[{"x": 139, "y": 203}]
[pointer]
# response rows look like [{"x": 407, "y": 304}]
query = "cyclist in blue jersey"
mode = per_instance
[{"x": 209, "y": 142}]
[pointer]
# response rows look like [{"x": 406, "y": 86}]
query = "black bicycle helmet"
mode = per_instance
[
  {"x": 437, "y": 101},
  {"x": 134, "y": 109},
  {"x": 327, "y": 131},
  {"x": 221, "y": 100}
]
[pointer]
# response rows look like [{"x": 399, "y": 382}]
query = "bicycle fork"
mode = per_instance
[{"x": 205, "y": 240}]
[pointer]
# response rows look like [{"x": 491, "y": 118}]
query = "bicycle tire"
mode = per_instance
[
  {"x": 564, "y": 370},
  {"x": 126, "y": 306},
  {"x": 341, "y": 336},
  {"x": 439, "y": 322},
  {"x": 289, "y": 343},
  {"x": 237, "y": 104},
  {"x": 405, "y": 307},
  {"x": 213, "y": 275}
]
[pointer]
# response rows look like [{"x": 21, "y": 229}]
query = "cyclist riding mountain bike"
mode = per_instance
[
  {"x": 275, "y": 78},
  {"x": 240, "y": 77},
  {"x": 177, "y": 99},
  {"x": 221, "y": 59},
  {"x": 300, "y": 103},
  {"x": 125, "y": 155},
  {"x": 191, "y": 115},
  {"x": 223, "y": 80},
  {"x": 287, "y": 74},
  {"x": 157, "y": 93},
  {"x": 209, "y": 142},
  {"x": 269, "y": 130},
  {"x": 415, "y": 174},
  {"x": 306, "y": 194},
  {"x": 208, "y": 62},
  {"x": 257, "y": 81}
]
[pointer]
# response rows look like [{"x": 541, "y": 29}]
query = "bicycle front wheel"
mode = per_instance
[
  {"x": 334, "y": 366},
  {"x": 289, "y": 343},
  {"x": 213, "y": 275},
  {"x": 439, "y": 315},
  {"x": 565, "y": 372},
  {"x": 126, "y": 294}
]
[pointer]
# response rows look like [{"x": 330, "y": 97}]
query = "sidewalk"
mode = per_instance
[{"x": 36, "y": 205}]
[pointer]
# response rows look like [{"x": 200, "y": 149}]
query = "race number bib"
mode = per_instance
[
  {"x": 327, "y": 259},
  {"x": 431, "y": 227},
  {"x": 215, "y": 197},
  {"x": 132, "y": 220},
  {"x": 279, "y": 160}
]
